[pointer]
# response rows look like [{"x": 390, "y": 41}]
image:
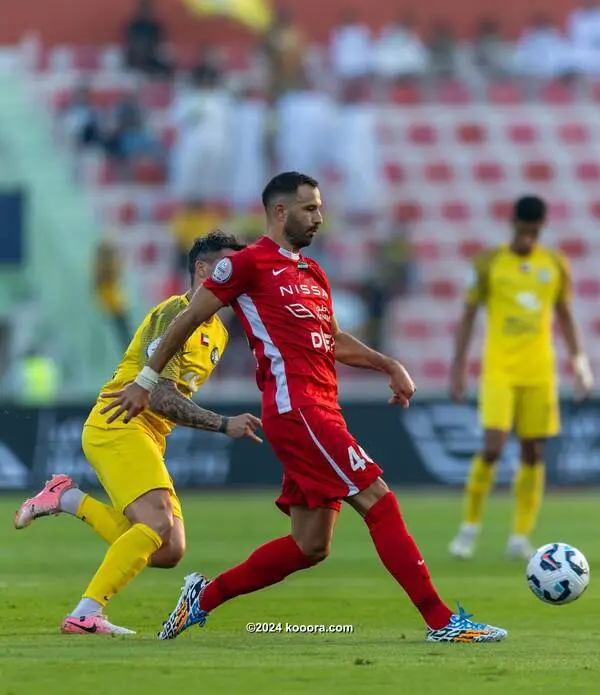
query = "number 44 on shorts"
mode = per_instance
[{"x": 358, "y": 460}]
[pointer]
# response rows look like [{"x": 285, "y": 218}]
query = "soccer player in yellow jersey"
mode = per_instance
[
  {"x": 143, "y": 525},
  {"x": 522, "y": 286}
]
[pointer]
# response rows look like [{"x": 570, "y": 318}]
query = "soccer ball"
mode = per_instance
[{"x": 558, "y": 573}]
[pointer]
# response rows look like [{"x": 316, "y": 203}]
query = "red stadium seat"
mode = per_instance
[
  {"x": 426, "y": 250},
  {"x": 595, "y": 92},
  {"x": 408, "y": 212},
  {"x": 108, "y": 173},
  {"x": 595, "y": 326},
  {"x": 453, "y": 93},
  {"x": 559, "y": 211},
  {"x": 405, "y": 95},
  {"x": 557, "y": 94},
  {"x": 468, "y": 248},
  {"x": 86, "y": 58},
  {"x": 588, "y": 288},
  {"x": 415, "y": 329},
  {"x": 573, "y": 133},
  {"x": 574, "y": 247},
  {"x": 148, "y": 253},
  {"x": 422, "y": 134},
  {"x": 107, "y": 98},
  {"x": 435, "y": 369},
  {"x": 538, "y": 171},
  {"x": 443, "y": 289},
  {"x": 471, "y": 133},
  {"x": 595, "y": 210},
  {"x": 474, "y": 368},
  {"x": 59, "y": 99},
  {"x": 456, "y": 211},
  {"x": 127, "y": 213},
  {"x": 147, "y": 171},
  {"x": 505, "y": 94},
  {"x": 167, "y": 135},
  {"x": 439, "y": 172},
  {"x": 164, "y": 210},
  {"x": 522, "y": 133},
  {"x": 501, "y": 209},
  {"x": 393, "y": 172},
  {"x": 588, "y": 172},
  {"x": 488, "y": 172},
  {"x": 156, "y": 95}
]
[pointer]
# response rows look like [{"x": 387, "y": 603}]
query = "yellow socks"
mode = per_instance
[
  {"x": 106, "y": 521},
  {"x": 123, "y": 561},
  {"x": 479, "y": 484},
  {"x": 529, "y": 491}
]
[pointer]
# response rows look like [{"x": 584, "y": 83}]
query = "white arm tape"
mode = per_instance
[
  {"x": 147, "y": 378},
  {"x": 581, "y": 367}
]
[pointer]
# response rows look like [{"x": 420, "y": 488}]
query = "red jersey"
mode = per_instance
[{"x": 284, "y": 303}]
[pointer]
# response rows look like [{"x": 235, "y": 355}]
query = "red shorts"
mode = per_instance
[{"x": 322, "y": 462}]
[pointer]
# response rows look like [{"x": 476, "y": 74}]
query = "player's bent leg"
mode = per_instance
[
  {"x": 528, "y": 488},
  {"x": 402, "y": 558},
  {"x": 477, "y": 489},
  {"x": 172, "y": 550},
  {"x": 62, "y": 495},
  {"x": 269, "y": 564}
]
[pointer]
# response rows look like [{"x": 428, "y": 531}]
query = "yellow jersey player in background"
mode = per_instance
[
  {"x": 522, "y": 287},
  {"x": 143, "y": 525}
]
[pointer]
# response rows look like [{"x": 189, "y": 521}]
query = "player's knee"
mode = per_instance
[
  {"x": 157, "y": 514},
  {"x": 531, "y": 451},
  {"x": 169, "y": 555},
  {"x": 315, "y": 549},
  {"x": 491, "y": 455},
  {"x": 493, "y": 444}
]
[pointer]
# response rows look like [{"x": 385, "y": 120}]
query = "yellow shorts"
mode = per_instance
[
  {"x": 533, "y": 411},
  {"x": 128, "y": 463}
]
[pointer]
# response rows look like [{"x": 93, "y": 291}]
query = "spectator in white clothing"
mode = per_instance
[
  {"x": 543, "y": 51},
  {"x": 399, "y": 52},
  {"x": 351, "y": 48},
  {"x": 584, "y": 31}
]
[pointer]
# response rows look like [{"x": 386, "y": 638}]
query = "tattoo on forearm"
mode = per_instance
[{"x": 166, "y": 400}]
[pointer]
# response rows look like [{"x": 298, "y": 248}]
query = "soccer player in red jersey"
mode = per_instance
[{"x": 283, "y": 301}]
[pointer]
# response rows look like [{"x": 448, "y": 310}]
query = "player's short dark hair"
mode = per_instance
[
  {"x": 206, "y": 247},
  {"x": 286, "y": 183},
  {"x": 530, "y": 208}
]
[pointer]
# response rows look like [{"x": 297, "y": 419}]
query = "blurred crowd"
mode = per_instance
[{"x": 302, "y": 106}]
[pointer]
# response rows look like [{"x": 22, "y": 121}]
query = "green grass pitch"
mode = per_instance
[{"x": 44, "y": 568}]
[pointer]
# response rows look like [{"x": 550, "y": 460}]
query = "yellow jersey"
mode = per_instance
[
  {"x": 519, "y": 294},
  {"x": 189, "y": 368}
]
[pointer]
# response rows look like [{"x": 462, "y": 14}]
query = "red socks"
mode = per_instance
[
  {"x": 401, "y": 557},
  {"x": 269, "y": 564}
]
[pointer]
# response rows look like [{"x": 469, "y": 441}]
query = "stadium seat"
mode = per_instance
[
  {"x": 559, "y": 210},
  {"x": 439, "y": 172},
  {"x": 163, "y": 210},
  {"x": 156, "y": 95},
  {"x": 504, "y": 94},
  {"x": 408, "y": 212},
  {"x": 453, "y": 93},
  {"x": 557, "y": 94},
  {"x": 488, "y": 172},
  {"x": 588, "y": 171},
  {"x": 588, "y": 288},
  {"x": 393, "y": 172},
  {"x": 573, "y": 133},
  {"x": 456, "y": 211},
  {"x": 538, "y": 172},
  {"x": 415, "y": 329},
  {"x": 127, "y": 213},
  {"x": 147, "y": 171},
  {"x": 501, "y": 209},
  {"x": 595, "y": 209},
  {"x": 425, "y": 250},
  {"x": 468, "y": 248},
  {"x": 522, "y": 133},
  {"x": 574, "y": 247},
  {"x": 422, "y": 134},
  {"x": 435, "y": 369},
  {"x": 148, "y": 253},
  {"x": 405, "y": 95},
  {"x": 474, "y": 368},
  {"x": 471, "y": 133},
  {"x": 443, "y": 289}
]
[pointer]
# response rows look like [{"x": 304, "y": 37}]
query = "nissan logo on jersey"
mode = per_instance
[{"x": 306, "y": 290}]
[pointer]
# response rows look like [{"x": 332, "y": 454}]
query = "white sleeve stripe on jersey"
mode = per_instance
[
  {"x": 282, "y": 393},
  {"x": 352, "y": 489}
]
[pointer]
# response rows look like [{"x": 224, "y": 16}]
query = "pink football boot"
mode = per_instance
[
  {"x": 94, "y": 624},
  {"x": 45, "y": 503}
]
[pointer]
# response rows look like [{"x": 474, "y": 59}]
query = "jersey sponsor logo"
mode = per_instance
[
  {"x": 544, "y": 276},
  {"x": 528, "y": 300},
  {"x": 152, "y": 347},
  {"x": 322, "y": 341},
  {"x": 223, "y": 270},
  {"x": 192, "y": 380},
  {"x": 214, "y": 355},
  {"x": 323, "y": 313},
  {"x": 300, "y": 311},
  {"x": 278, "y": 272},
  {"x": 305, "y": 290}
]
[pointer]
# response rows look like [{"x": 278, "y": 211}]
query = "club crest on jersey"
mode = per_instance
[
  {"x": 152, "y": 347},
  {"x": 223, "y": 270},
  {"x": 545, "y": 276},
  {"x": 214, "y": 355},
  {"x": 525, "y": 268}
]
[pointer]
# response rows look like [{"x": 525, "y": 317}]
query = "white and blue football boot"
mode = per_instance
[
  {"x": 462, "y": 629},
  {"x": 187, "y": 612}
]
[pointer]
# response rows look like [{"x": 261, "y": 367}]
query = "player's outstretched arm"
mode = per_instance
[
  {"x": 462, "y": 340},
  {"x": 351, "y": 351},
  {"x": 135, "y": 397},
  {"x": 166, "y": 400}
]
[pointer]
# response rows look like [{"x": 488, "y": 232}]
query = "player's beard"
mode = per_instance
[{"x": 297, "y": 235}]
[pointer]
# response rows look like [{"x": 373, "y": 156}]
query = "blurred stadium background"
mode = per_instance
[{"x": 126, "y": 131}]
